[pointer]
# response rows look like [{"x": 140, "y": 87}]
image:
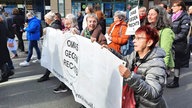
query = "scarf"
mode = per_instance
[{"x": 176, "y": 15}]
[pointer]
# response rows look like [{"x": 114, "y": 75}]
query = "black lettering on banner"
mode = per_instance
[
  {"x": 134, "y": 24},
  {"x": 71, "y": 66},
  {"x": 83, "y": 99},
  {"x": 132, "y": 12},
  {"x": 72, "y": 44},
  {"x": 72, "y": 55},
  {"x": 133, "y": 18}
]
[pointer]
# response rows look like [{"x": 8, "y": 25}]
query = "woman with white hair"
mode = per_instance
[
  {"x": 117, "y": 31},
  {"x": 50, "y": 20},
  {"x": 71, "y": 26},
  {"x": 33, "y": 35}
]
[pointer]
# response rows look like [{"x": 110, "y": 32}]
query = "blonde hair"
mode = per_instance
[{"x": 50, "y": 15}]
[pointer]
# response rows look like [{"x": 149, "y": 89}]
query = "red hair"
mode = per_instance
[{"x": 151, "y": 33}]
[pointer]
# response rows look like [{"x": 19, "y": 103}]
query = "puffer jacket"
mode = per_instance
[
  {"x": 4, "y": 53},
  {"x": 181, "y": 27},
  {"x": 149, "y": 81},
  {"x": 33, "y": 29},
  {"x": 118, "y": 35}
]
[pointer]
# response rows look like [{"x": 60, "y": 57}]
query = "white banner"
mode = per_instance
[
  {"x": 88, "y": 70},
  {"x": 134, "y": 21}
]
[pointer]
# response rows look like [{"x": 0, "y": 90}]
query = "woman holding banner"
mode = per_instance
[
  {"x": 144, "y": 74},
  {"x": 93, "y": 30}
]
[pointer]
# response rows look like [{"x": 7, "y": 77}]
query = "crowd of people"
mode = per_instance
[{"x": 161, "y": 46}]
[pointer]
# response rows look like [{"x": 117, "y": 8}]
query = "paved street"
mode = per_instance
[{"x": 23, "y": 91}]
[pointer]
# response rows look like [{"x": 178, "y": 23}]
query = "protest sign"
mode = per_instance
[{"x": 134, "y": 21}]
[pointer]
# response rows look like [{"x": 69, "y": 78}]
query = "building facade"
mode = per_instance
[{"x": 41, "y": 7}]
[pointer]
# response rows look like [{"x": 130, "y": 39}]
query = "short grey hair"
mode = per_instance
[
  {"x": 120, "y": 14},
  {"x": 50, "y": 15},
  {"x": 72, "y": 19},
  {"x": 92, "y": 15}
]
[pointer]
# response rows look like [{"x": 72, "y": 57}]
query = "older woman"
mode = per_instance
[
  {"x": 157, "y": 18},
  {"x": 71, "y": 26},
  {"x": 180, "y": 26},
  {"x": 93, "y": 30},
  {"x": 145, "y": 71},
  {"x": 53, "y": 23},
  {"x": 117, "y": 31}
]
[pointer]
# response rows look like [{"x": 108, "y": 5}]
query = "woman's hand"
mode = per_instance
[
  {"x": 93, "y": 39},
  {"x": 125, "y": 72},
  {"x": 104, "y": 46},
  {"x": 110, "y": 38}
]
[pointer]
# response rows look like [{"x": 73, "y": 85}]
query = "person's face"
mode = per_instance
[
  {"x": 48, "y": 21},
  {"x": 91, "y": 23},
  {"x": 141, "y": 43},
  {"x": 56, "y": 17},
  {"x": 175, "y": 8},
  {"x": 87, "y": 10},
  {"x": 116, "y": 19},
  {"x": 152, "y": 16},
  {"x": 168, "y": 10},
  {"x": 190, "y": 10},
  {"x": 142, "y": 12},
  {"x": 67, "y": 23}
]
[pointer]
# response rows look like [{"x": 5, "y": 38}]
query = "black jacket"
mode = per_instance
[
  {"x": 4, "y": 53},
  {"x": 181, "y": 28}
]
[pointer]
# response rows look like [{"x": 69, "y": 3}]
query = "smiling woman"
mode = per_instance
[{"x": 93, "y": 30}]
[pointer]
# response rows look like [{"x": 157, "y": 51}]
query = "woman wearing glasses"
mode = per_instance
[
  {"x": 180, "y": 26},
  {"x": 145, "y": 70}
]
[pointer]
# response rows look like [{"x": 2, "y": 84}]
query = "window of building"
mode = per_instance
[{"x": 61, "y": 7}]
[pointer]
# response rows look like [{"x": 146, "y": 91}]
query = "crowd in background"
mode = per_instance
[{"x": 165, "y": 35}]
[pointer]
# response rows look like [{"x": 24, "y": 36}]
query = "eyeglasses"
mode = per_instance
[
  {"x": 174, "y": 6},
  {"x": 139, "y": 38}
]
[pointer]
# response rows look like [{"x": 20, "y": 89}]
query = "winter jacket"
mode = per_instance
[
  {"x": 11, "y": 27},
  {"x": 166, "y": 42},
  {"x": 96, "y": 33},
  {"x": 149, "y": 81},
  {"x": 56, "y": 24},
  {"x": 80, "y": 22},
  {"x": 19, "y": 20},
  {"x": 4, "y": 53},
  {"x": 33, "y": 29},
  {"x": 181, "y": 27},
  {"x": 118, "y": 38}
]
